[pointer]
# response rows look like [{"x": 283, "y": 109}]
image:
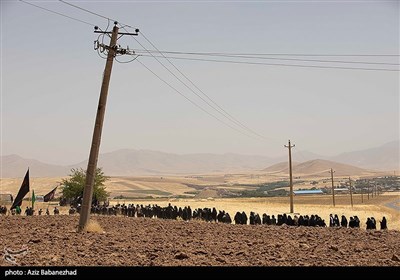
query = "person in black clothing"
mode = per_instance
[
  {"x": 383, "y": 223},
  {"x": 343, "y": 222},
  {"x": 369, "y": 226}
]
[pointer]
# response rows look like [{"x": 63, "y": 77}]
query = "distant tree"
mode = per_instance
[{"x": 72, "y": 187}]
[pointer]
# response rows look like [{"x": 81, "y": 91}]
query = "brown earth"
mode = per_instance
[{"x": 53, "y": 241}]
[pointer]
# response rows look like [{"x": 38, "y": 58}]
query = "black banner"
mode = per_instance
[
  {"x": 50, "y": 195},
  {"x": 22, "y": 191}
]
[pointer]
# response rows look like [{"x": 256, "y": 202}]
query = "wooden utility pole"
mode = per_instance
[
  {"x": 351, "y": 193},
  {"x": 101, "y": 108},
  {"x": 333, "y": 187},
  {"x": 289, "y": 146},
  {"x": 368, "y": 191},
  {"x": 362, "y": 195}
]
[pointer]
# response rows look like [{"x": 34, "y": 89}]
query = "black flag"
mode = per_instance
[
  {"x": 50, "y": 195},
  {"x": 22, "y": 191}
]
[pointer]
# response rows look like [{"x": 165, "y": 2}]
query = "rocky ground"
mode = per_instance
[{"x": 54, "y": 241}]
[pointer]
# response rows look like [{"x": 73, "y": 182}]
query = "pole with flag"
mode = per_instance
[
  {"x": 33, "y": 199},
  {"x": 24, "y": 189},
  {"x": 50, "y": 195}
]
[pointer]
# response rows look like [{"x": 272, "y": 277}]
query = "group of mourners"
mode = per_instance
[
  {"x": 211, "y": 215},
  {"x": 355, "y": 222},
  {"x": 29, "y": 211},
  {"x": 221, "y": 216}
]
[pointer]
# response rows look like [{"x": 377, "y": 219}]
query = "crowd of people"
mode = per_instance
[
  {"x": 211, "y": 215},
  {"x": 29, "y": 211},
  {"x": 221, "y": 216}
]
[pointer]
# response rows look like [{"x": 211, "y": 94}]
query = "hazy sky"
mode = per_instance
[{"x": 51, "y": 78}]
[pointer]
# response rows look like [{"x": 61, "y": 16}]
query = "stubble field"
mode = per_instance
[{"x": 54, "y": 241}]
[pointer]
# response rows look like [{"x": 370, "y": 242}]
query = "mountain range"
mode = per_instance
[{"x": 129, "y": 162}]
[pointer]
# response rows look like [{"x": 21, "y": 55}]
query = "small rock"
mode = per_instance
[
  {"x": 240, "y": 253},
  {"x": 304, "y": 245},
  {"x": 334, "y": 248},
  {"x": 35, "y": 240},
  {"x": 200, "y": 252},
  {"x": 220, "y": 260},
  {"x": 153, "y": 256},
  {"x": 395, "y": 258},
  {"x": 181, "y": 256}
]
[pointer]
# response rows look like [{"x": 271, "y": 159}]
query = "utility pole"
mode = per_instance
[
  {"x": 333, "y": 187},
  {"x": 368, "y": 191},
  {"x": 351, "y": 193},
  {"x": 362, "y": 195},
  {"x": 112, "y": 49},
  {"x": 290, "y": 174}
]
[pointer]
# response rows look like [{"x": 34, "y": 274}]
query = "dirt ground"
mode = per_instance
[{"x": 54, "y": 241}]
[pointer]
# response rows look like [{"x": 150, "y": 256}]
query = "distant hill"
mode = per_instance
[
  {"x": 318, "y": 167},
  {"x": 14, "y": 166},
  {"x": 385, "y": 157},
  {"x": 130, "y": 162},
  {"x": 144, "y": 162},
  {"x": 280, "y": 167}
]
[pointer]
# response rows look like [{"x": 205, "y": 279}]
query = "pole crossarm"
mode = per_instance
[{"x": 119, "y": 33}]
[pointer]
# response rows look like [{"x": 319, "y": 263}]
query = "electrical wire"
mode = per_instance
[
  {"x": 57, "y": 13},
  {"x": 128, "y": 60},
  {"x": 191, "y": 101},
  {"x": 231, "y": 61},
  {"x": 224, "y": 112},
  {"x": 90, "y": 12},
  {"x": 274, "y": 58},
  {"x": 279, "y": 54},
  {"x": 93, "y": 13},
  {"x": 281, "y": 64},
  {"x": 180, "y": 80}
]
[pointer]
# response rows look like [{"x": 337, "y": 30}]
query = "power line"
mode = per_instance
[
  {"x": 225, "y": 113},
  {"x": 80, "y": 8},
  {"x": 279, "y": 54},
  {"x": 274, "y": 58},
  {"x": 188, "y": 87},
  {"x": 228, "y": 116},
  {"x": 93, "y": 13},
  {"x": 188, "y": 99},
  {"x": 57, "y": 13},
  {"x": 280, "y": 64}
]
